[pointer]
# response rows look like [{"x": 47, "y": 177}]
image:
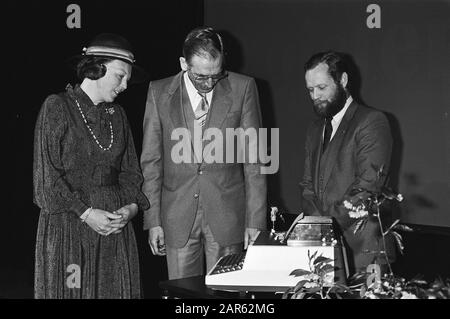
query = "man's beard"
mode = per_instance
[{"x": 331, "y": 108}]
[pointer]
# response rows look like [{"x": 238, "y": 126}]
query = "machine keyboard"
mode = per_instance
[{"x": 229, "y": 263}]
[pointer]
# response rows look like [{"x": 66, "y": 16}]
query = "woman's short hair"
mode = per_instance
[{"x": 92, "y": 67}]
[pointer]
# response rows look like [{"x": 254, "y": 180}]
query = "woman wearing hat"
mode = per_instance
[{"x": 87, "y": 182}]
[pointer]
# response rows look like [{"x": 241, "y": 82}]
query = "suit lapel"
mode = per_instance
[
  {"x": 220, "y": 104},
  {"x": 328, "y": 160},
  {"x": 174, "y": 101},
  {"x": 181, "y": 113}
]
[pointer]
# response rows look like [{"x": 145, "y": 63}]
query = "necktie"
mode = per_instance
[
  {"x": 202, "y": 110},
  {"x": 327, "y": 133}
]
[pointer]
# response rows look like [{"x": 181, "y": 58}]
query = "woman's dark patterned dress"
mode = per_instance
[{"x": 71, "y": 174}]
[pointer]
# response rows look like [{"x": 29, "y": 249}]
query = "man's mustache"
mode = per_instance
[{"x": 317, "y": 103}]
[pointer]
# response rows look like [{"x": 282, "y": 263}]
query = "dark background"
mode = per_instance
[
  {"x": 39, "y": 44},
  {"x": 403, "y": 69}
]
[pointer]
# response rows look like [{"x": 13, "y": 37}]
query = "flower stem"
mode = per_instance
[{"x": 391, "y": 273}]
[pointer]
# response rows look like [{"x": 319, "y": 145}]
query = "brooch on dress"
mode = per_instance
[{"x": 110, "y": 110}]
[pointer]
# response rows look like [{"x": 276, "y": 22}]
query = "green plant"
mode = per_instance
[
  {"x": 362, "y": 205},
  {"x": 317, "y": 282},
  {"x": 395, "y": 287}
]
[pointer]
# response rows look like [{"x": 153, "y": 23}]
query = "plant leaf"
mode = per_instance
[
  {"x": 322, "y": 259},
  {"x": 342, "y": 287},
  {"x": 287, "y": 292},
  {"x": 399, "y": 241},
  {"x": 363, "y": 291},
  {"x": 388, "y": 193},
  {"x": 360, "y": 224},
  {"x": 419, "y": 282},
  {"x": 300, "y": 295},
  {"x": 327, "y": 268},
  {"x": 403, "y": 227},
  {"x": 379, "y": 170},
  {"x": 313, "y": 290},
  {"x": 355, "y": 191},
  {"x": 300, "y": 285},
  {"x": 313, "y": 256},
  {"x": 299, "y": 272},
  {"x": 391, "y": 227},
  {"x": 337, "y": 289}
]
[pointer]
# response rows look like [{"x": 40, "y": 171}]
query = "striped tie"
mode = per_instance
[{"x": 202, "y": 110}]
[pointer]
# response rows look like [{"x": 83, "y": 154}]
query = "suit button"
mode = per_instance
[{"x": 195, "y": 195}]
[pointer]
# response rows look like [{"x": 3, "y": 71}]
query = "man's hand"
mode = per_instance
[
  {"x": 250, "y": 236},
  {"x": 156, "y": 241}
]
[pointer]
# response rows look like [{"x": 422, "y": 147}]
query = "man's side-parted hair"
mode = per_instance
[
  {"x": 336, "y": 62},
  {"x": 92, "y": 67},
  {"x": 201, "y": 41}
]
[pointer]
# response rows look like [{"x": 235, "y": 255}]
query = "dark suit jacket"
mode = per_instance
[
  {"x": 233, "y": 195},
  {"x": 363, "y": 139}
]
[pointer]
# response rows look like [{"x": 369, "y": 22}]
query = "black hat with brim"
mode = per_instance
[{"x": 109, "y": 45}]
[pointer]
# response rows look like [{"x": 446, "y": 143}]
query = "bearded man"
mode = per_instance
[{"x": 343, "y": 148}]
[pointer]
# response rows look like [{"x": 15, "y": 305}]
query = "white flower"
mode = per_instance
[
  {"x": 407, "y": 295},
  {"x": 358, "y": 213},
  {"x": 312, "y": 277},
  {"x": 399, "y": 197},
  {"x": 370, "y": 295},
  {"x": 311, "y": 285},
  {"x": 347, "y": 204}
]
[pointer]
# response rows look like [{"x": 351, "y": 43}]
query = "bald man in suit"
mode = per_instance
[{"x": 200, "y": 209}]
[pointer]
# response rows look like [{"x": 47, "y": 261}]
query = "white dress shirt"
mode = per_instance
[{"x": 339, "y": 116}]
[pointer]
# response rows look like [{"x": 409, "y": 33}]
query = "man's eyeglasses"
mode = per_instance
[{"x": 204, "y": 78}]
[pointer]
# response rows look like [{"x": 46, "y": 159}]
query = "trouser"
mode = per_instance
[{"x": 189, "y": 260}]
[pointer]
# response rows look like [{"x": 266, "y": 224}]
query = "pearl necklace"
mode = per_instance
[{"x": 92, "y": 133}]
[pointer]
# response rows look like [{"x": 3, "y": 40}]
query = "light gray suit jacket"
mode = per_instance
[{"x": 233, "y": 195}]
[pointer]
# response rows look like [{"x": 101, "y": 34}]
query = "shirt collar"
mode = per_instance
[{"x": 338, "y": 117}]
